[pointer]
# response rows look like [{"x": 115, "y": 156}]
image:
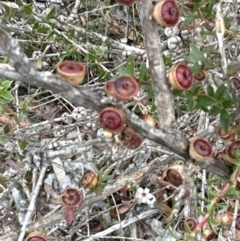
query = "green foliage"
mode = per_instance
[
  {"x": 128, "y": 68},
  {"x": 27, "y": 9},
  {"x": 103, "y": 177},
  {"x": 5, "y": 94},
  {"x": 51, "y": 14},
  {"x": 212, "y": 102},
  {"x": 188, "y": 20},
  {"x": 200, "y": 59}
]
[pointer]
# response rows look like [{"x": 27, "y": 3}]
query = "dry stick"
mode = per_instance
[
  {"x": 110, "y": 42},
  {"x": 83, "y": 96},
  {"x": 32, "y": 203},
  {"x": 163, "y": 94},
  {"x": 122, "y": 224},
  {"x": 76, "y": 6},
  {"x": 232, "y": 231},
  {"x": 220, "y": 30}
]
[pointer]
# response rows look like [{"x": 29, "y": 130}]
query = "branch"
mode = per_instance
[
  {"x": 163, "y": 95},
  {"x": 84, "y": 96}
]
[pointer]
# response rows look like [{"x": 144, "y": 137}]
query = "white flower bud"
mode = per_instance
[
  {"x": 169, "y": 32},
  {"x": 36, "y": 54},
  {"x": 54, "y": 146},
  {"x": 185, "y": 35},
  {"x": 90, "y": 126},
  {"x": 79, "y": 113},
  {"x": 174, "y": 43},
  {"x": 58, "y": 131},
  {"x": 67, "y": 118}
]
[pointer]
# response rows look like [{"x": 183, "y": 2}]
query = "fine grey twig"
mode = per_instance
[
  {"x": 32, "y": 203},
  {"x": 122, "y": 224}
]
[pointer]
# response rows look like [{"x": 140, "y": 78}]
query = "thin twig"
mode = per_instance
[
  {"x": 32, "y": 203},
  {"x": 123, "y": 224}
]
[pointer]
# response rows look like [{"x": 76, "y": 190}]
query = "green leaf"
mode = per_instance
[
  {"x": 23, "y": 144},
  {"x": 130, "y": 65},
  {"x": 143, "y": 74},
  {"x": 124, "y": 71},
  {"x": 19, "y": 3},
  {"x": 196, "y": 69},
  {"x": 72, "y": 51},
  {"x": 190, "y": 60},
  {"x": 103, "y": 75},
  {"x": 208, "y": 64},
  {"x": 233, "y": 69},
  {"x": 196, "y": 89},
  {"x": 168, "y": 61},
  {"x": 220, "y": 91},
  {"x": 5, "y": 84},
  {"x": 213, "y": 222},
  {"x": 197, "y": 4},
  {"x": 214, "y": 110},
  {"x": 43, "y": 29},
  {"x": 196, "y": 53},
  {"x": 238, "y": 155},
  {"x": 98, "y": 189},
  {"x": 188, "y": 20},
  {"x": 9, "y": 11},
  {"x": 210, "y": 90},
  {"x": 227, "y": 104},
  {"x": 209, "y": 50},
  {"x": 227, "y": 96},
  {"x": 2, "y": 102},
  {"x": 51, "y": 14},
  {"x": 149, "y": 90},
  {"x": 205, "y": 100},
  {"x": 225, "y": 119},
  {"x": 6, "y": 95},
  {"x": 36, "y": 25},
  {"x": 27, "y": 9},
  {"x": 209, "y": 10},
  {"x": 191, "y": 104},
  {"x": 177, "y": 92}
]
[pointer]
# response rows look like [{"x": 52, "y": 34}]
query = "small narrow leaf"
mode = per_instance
[
  {"x": 191, "y": 104},
  {"x": 205, "y": 100},
  {"x": 143, "y": 75},
  {"x": 220, "y": 91},
  {"x": 188, "y": 20},
  {"x": 233, "y": 69},
  {"x": 225, "y": 119},
  {"x": 27, "y": 9},
  {"x": 6, "y": 84},
  {"x": 196, "y": 53},
  {"x": 6, "y": 95},
  {"x": 210, "y": 90},
  {"x": 43, "y": 29},
  {"x": 51, "y": 14},
  {"x": 130, "y": 65}
]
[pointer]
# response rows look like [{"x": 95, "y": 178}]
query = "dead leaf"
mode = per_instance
[{"x": 9, "y": 120}]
